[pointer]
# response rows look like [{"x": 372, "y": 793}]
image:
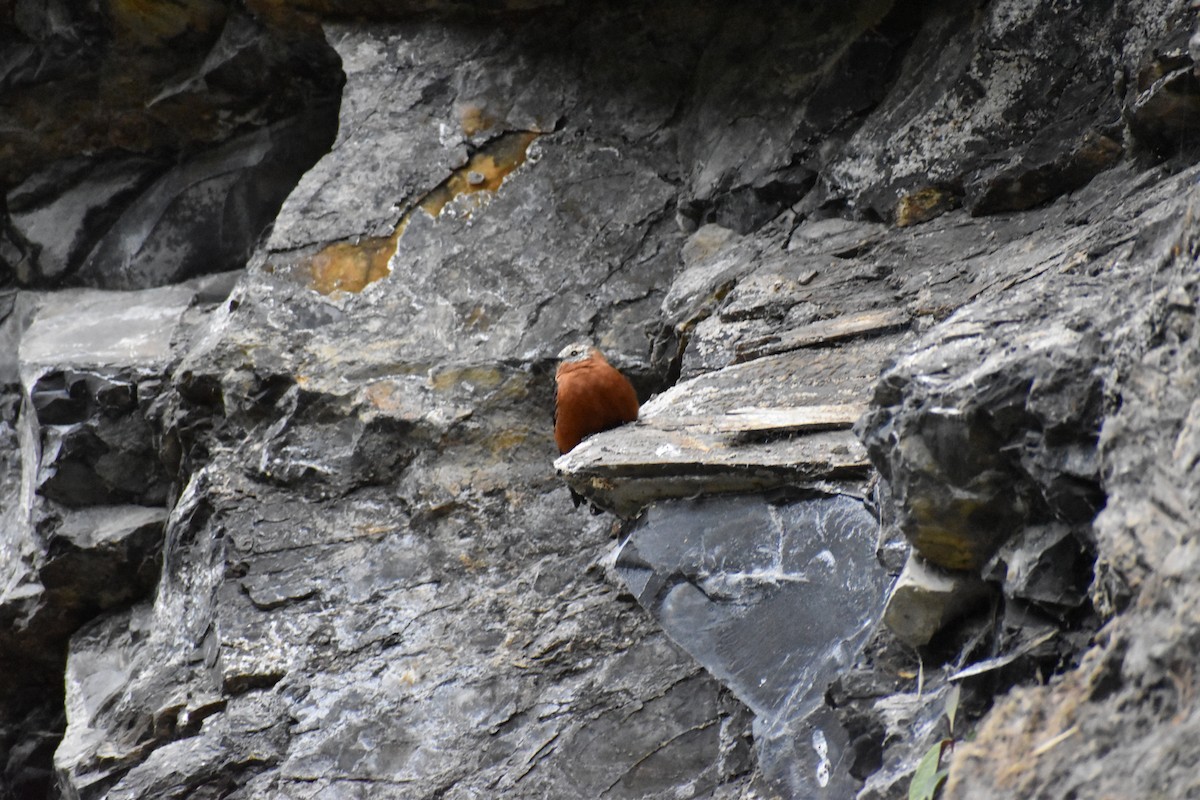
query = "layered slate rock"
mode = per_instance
[
  {"x": 687, "y": 441},
  {"x": 1070, "y": 730},
  {"x": 370, "y": 563},
  {"x": 992, "y": 429},
  {"x": 1162, "y": 102},
  {"x": 371, "y": 581},
  {"x": 1018, "y": 363},
  {"x": 987, "y": 89},
  {"x": 86, "y": 494}
]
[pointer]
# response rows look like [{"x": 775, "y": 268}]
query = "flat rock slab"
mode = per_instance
[
  {"x": 96, "y": 328},
  {"x": 827, "y": 331},
  {"x": 627, "y": 470},
  {"x": 774, "y": 422},
  {"x": 802, "y": 419},
  {"x": 774, "y": 599}
]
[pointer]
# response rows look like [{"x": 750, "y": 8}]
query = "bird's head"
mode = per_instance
[{"x": 578, "y": 351}]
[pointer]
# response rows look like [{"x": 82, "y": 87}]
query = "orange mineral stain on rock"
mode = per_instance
[
  {"x": 349, "y": 266},
  {"x": 385, "y": 396},
  {"x": 475, "y": 120},
  {"x": 484, "y": 172},
  {"x": 923, "y": 205},
  {"x": 481, "y": 377}
]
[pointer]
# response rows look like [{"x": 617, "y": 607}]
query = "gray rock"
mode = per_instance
[
  {"x": 912, "y": 722},
  {"x": 1050, "y": 566},
  {"x": 1041, "y": 174},
  {"x": 925, "y": 599},
  {"x": 370, "y": 582},
  {"x": 679, "y": 447},
  {"x": 144, "y": 150},
  {"x": 1166, "y": 107},
  {"x": 85, "y": 492},
  {"x": 774, "y": 599},
  {"x": 955, "y": 428},
  {"x": 963, "y": 72},
  {"x": 1143, "y": 531},
  {"x": 104, "y": 329},
  {"x": 113, "y": 548},
  {"x": 818, "y": 69},
  {"x": 332, "y": 597}
]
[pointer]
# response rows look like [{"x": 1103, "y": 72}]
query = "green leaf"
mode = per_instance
[
  {"x": 940, "y": 778},
  {"x": 952, "y": 704},
  {"x": 928, "y": 778}
]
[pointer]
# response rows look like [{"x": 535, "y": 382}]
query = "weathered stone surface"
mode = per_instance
[
  {"x": 85, "y": 491},
  {"x": 1043, "y": 171},
  {"x": 1049, "y": 566},
  {"x": 959, "y": 429},
  {"x": 906, "y": 724},
  {"x": 367, "y": 513},
  {"x": 104, "y": 329},
  {"x": 1073, "y": 734},
  {"x": 948, "y": 113},
  {"x": 765, "y": 155},
  {"x": 791, "y": 283},
  {"x": 1163, "y": 105},
  {"x": 680, "y": 446},
  {"x": 371, "y": 584}
]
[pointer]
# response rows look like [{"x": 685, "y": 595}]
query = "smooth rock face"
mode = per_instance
[
  {"x": 109, "y": 329},
  {"x": 774, "y": 599},
  {"x": 297, "y": 533}
]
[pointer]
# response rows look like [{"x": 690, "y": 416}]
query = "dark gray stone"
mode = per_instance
[
  {"x": 1145, "y": 550},
  {"x": 139, "y": 222},
  {"x": 1049, "y": 566},
  {"x": 1163, "y": 103},
  {"x": 141, "y": 153},
  {"x": 993, "y": 430},
  {"x": 839, "y": 62},
  {"x": 774, "y": 599},
  {"x": 1042, "y": 171},
  {"x": 969, "y": 66},
  {"x": 84, "y": 492}
]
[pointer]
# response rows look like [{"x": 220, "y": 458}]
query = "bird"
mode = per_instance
[{"x": 590, "y": 395}]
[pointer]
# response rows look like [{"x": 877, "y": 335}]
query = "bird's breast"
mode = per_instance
[{"x": 590, "y": 397}]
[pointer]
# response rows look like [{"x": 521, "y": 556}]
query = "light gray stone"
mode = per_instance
[{"x": 925, "y": 598}]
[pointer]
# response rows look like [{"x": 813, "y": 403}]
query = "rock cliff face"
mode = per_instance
[{"x": 913, "y": 288}]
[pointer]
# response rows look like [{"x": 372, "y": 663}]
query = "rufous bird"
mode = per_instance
[{"x": 590, "y": 395}]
